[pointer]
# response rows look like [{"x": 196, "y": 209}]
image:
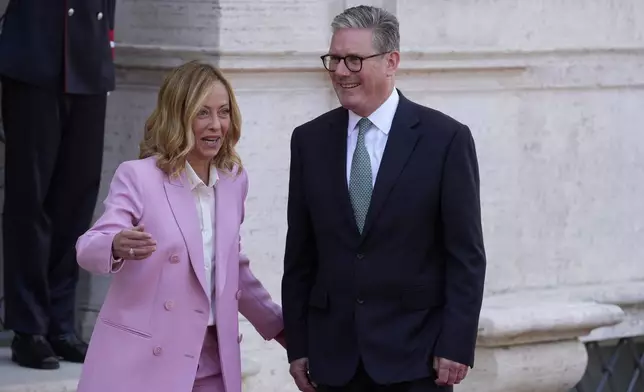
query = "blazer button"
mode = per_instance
[
  {"x": 240, "y": 337},
  {"x": 238, "y": 294},
  {"x": 360, "y": 256},
  {"x": 360, "y": 301},
  {"x": 99, "y": 16},
  {"x": 157, "y": 351},
  {"x": 70, "y": 12},
  {"x": 168, "y": 305},
  {"x": 174, "y": 259}
]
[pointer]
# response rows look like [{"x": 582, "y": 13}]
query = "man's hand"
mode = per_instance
[
  {"x": 300, "y": 372},
  {"x": 449, "y": 372}
]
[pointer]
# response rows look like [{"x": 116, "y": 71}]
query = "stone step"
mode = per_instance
[{"x": 14, "y": 378}]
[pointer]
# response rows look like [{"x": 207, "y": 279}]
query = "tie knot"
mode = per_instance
[{"x": 363, "y": 125}]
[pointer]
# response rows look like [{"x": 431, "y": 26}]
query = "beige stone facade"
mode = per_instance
[{"x": 553, "y": 92}]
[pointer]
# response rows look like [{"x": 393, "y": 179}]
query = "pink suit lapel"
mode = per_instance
[
  {"x": 185, "y": 213},
  {"x": 225, "y": 204}
]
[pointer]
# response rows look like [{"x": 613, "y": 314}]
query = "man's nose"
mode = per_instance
[{"x": 342, "y": 69}]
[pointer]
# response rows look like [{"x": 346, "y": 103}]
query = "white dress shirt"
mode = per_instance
[
  {"x": 376, "y": 136},
  {"x": 204, "y": 196}
]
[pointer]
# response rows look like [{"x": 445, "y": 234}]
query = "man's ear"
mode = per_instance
[{"x": 393, "y": 61}]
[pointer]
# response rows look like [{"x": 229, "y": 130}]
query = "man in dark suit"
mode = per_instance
[
  {"x": 56, "y": 68},
  {"x": 384, "y": 263}
]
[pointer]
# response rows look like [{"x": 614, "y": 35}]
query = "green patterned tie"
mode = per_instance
[{"x": 361, "y": 185}]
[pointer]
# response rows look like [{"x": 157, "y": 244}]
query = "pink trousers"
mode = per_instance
[{"x": 209, "y": 378}]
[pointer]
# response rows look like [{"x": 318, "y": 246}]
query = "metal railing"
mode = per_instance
[{"x": 617, "y": 367}]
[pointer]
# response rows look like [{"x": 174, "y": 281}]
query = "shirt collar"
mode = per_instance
[
  {"x": 194, "y": 179},
  {"x": 382, "y": 117}
]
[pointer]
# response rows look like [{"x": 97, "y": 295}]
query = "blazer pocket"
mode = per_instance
[
  {"x": 318, "y": 298},
  {"x": 422, "y": 297},
  {"x": 126, "y": 329}
]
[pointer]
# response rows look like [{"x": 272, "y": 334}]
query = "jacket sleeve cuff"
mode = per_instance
[{"x": 457, "y": 343}]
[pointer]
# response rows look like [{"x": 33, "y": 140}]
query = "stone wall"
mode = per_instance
[{"x": 553, "y": 94}]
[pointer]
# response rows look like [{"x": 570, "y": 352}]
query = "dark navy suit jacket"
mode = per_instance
[{"x": 410, "y": 286}]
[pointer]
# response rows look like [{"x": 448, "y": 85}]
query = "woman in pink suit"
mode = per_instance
[{"x": 169, "y": 237}]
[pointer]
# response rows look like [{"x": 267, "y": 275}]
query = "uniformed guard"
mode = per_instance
[{"x": 56, "y": 65}]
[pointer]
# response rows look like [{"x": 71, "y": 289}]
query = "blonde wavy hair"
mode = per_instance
[{"x": 168, "y": 131}]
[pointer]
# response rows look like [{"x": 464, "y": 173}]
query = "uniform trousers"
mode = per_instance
[{"x": 53, "y": 164}]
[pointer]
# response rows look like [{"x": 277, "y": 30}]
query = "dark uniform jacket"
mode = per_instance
[{"x": 59, "y": 44}]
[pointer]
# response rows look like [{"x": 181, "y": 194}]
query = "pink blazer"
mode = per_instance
[{"x": 150, "y": 330}]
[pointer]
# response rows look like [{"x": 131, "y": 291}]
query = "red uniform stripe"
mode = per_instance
[{"x": 111, "y": 36}]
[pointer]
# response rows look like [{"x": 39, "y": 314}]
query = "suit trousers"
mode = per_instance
[
  {"x": 362, "y": 382},
  {"x": 209, "y": 377},
  {"x": 54, "y": 152}
]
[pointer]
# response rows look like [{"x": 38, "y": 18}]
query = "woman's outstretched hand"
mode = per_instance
[{"x": 133, "y": 244}]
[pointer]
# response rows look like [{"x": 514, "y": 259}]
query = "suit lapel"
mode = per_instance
[
  {"x": 184, "y": 210},
  {"x": 401, "y": 142},
  {"x": 338, "y": 165},
  {"x": 224, "y": 207}
]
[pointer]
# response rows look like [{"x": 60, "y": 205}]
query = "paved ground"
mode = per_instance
[{"x": 16, "y": 379}]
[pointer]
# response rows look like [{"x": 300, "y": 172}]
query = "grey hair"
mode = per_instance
[{"x": 386, "y": 36}]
